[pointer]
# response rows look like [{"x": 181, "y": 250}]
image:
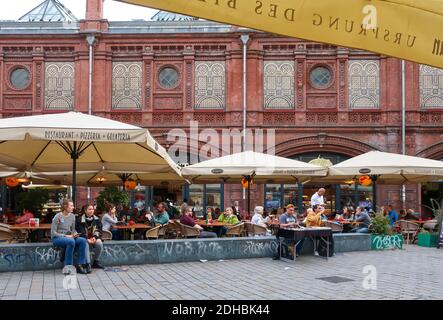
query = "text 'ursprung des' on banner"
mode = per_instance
[{"x": 407, "y": 29}]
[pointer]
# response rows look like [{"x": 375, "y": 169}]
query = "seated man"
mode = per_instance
[
  {"x": 392, "y": 215},
  {"x": 187, "y": 220},
  {"x": 163, "y": 216},
  {"x": 314, "y": 217},
  {"x": 411, "y": 215},
  {"x": 364, "y": 221},
  {"x": 289, "y": 220}
]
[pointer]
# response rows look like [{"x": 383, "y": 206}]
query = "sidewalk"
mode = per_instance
[{"x": 413, "y": 273}]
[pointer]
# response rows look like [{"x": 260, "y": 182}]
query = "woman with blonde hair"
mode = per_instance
[{"x": 64, "y": 235}]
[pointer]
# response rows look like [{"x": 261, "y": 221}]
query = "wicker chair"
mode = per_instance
[
  {"x": 255, "y": 229},
  {"x": 187, "y": 231},
  {"x": 162, "y": 230},
  {"x": 235, "y": 231},
  {"x": 106, "y": 235},
  {"x": 6, "y": 235},
  {"x": 173, "y": 230},
  {"x": 408, "y": 229},
  {"x": 153, "y": 233}
]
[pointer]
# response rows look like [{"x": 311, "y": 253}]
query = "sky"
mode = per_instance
[{"x": 113, "y": 10}]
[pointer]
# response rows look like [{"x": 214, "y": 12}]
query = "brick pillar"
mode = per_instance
[{"x": 94, "y": 9}]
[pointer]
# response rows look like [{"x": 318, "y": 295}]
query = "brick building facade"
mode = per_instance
[{"x": 320, "y": 99}]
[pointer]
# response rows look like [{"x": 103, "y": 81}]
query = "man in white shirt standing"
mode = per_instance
[{"x": 317, "y": 198}]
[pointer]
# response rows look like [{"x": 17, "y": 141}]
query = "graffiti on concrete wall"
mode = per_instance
[
  {"x": 28, "y": 258},
  {"x": 259, "y": 249}
]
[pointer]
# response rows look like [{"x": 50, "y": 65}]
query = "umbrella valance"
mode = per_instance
[{"x": 265, "y": 168}]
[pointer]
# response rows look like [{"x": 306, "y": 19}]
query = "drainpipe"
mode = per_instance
[
  {"x": 244, "y": 39},
  {"x": 91, "y": 40},
  {"x": 403, "y": 124}
]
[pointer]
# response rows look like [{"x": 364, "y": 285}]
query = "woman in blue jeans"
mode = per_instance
[{"x": 64, "y": 235}]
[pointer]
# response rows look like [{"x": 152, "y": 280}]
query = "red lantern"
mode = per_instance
[
  {"x": 11, "y": 182},
  {"x": 365, "y": 180},
  {"x": 245, "y": 183},
  {"x": 130, "y": 184}
]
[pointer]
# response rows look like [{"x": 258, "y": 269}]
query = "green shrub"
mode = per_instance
[
  {"x": 113, "y": 195},
  {"x": 380, "y": 225},
  {"x": 32, "y": 200}
]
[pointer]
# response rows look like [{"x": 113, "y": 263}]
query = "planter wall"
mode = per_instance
[{"x": 383, "y": 242}]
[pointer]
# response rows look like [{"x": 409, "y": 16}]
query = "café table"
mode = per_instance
[
  {"x": 213, "y": 223},
  {"x": 26, "y": 228},
  {"x": 129, "y": 229}
]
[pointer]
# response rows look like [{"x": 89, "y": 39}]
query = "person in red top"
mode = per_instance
[
  {"x": 187, "y": 220},
  {"x": 24, "y": 217}
]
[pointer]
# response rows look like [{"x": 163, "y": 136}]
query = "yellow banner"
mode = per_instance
[{"x": 407, "y": 29}]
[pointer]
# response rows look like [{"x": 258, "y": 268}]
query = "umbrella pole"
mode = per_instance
[
  {"x": 74, "y": 157},
  {"x": 249, "y": 197},
  {"x": 374, "y": 193}
]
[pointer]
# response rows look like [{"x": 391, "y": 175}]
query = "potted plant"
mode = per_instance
[
  {"x": 113, "y": 195},
  {"x": 382, "y": 235},
  {"x": 32, "y": 200}
]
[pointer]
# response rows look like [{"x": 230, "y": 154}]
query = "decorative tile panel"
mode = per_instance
[
  {"x": 59, "y": 85},
  {"x": 279, "y": 84},
  {"x": 364, "y": 84},
  {"x": 431, "y": 87},
  {"x": 210, "y": 85},
  {"x": 126, "y": 85}
]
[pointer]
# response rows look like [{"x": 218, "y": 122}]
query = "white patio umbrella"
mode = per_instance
[
  {"x": 388, "y": 168},
  {"x": 265, "y": 168},
  {"x": 249, "y": 165},
  {"x": 73, "y": 140}
]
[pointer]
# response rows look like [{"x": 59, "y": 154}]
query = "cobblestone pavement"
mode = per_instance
[{"x": 412, "y": 273}]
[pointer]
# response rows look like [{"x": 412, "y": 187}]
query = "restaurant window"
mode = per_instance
[
  {"x": 290, "y": 194},
  {"x": 202, "y": 196},
  {"x": 273, "y": 196},
  {"x": 196, "y": 193},
  {"x": 213, "y": 196}
]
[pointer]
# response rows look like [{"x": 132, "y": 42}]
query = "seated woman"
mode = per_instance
[
  {"x": 186, "y": 219},
  {"x": 226, "y": 217},
  {"x": 110, "y": 219},
  {"x": 258, "y": 218},
  {"x": 89, "y": 227},
  {"x": 64, "y": 235},
  {"x": 24, "y": 217},
  {"x": 210, "y": 212}
]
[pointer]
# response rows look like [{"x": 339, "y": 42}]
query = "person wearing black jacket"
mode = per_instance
[{"x": 89, "y": 226}]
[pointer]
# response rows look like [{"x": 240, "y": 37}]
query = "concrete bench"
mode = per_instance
[{"x": 42, "y": 256}]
